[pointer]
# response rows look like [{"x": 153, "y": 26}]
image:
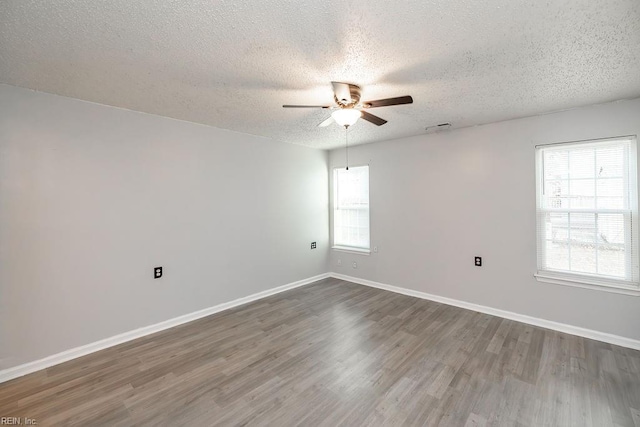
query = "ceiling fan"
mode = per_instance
[{"x": 349, "y": 108}]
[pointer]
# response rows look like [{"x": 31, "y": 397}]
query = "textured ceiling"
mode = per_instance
[{"x": 232, "y": 64}]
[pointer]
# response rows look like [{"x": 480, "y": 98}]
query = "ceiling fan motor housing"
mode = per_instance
[{"x": 355, "y": 92}]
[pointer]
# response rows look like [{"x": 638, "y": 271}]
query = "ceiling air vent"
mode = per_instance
[{"x": 438, "y": 128}]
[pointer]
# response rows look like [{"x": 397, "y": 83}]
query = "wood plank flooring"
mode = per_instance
[{"x": 337, "y": 353}]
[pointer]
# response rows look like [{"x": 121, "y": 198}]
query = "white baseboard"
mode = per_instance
[
  {"x": 548, "y": 324},
  {"x": 30, "y": 367}
]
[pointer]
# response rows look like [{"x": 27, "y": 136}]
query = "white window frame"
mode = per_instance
[
  {"x": 344, "y": 248},
  {"x": 589, "y": 281}
]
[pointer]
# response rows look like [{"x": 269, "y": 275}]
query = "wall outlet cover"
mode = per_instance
[{"x": 157, "y": 272}]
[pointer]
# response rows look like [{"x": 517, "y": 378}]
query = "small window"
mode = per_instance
[
  {"x": 351, "y": 208},
  {"x": 587, "y": 214}
]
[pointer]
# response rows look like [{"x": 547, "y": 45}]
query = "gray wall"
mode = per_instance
[
  {"x": 93, "y": 197},
  {"x": 438, "y": 200}
]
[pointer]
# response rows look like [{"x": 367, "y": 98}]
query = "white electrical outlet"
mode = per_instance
[
  {"x": 355, "y": 265},
  {"x": 339, "y": 262},
  {"x": 375, "y": 249}
]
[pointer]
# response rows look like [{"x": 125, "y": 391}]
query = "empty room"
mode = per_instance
[{"x": 343, "y": 213}]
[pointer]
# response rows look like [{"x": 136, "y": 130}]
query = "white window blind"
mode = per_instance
[
  {"x": 587, "y": 212},
  {"x": 351, "y": 207}
]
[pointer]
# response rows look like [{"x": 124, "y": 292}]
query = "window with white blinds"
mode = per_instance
[
  {"x": 587, "y": 213},
  {"x": 351, "y": 208}
]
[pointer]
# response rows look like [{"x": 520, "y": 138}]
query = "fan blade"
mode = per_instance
[
  {"x": 373, "y": 119},
  {"x": 342, "y": 92},
  {"x": 326, "y": 122},
  {"x": 306, "y": 106},
  {"x": 388, "y": 101}
]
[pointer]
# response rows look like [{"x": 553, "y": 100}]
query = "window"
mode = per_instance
[
  {"x": 587, "y": 214},
  {"x": 351, "y": 208}
]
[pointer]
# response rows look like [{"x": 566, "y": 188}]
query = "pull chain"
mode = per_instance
[{"x": 346, "y": 143}]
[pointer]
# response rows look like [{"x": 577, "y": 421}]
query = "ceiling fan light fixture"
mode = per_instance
[
  {"x": 346, "y": 116},
  {"x": 349, "y": 108}
]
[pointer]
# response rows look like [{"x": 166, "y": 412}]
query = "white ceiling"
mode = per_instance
[{"x": 232, "y": 64}]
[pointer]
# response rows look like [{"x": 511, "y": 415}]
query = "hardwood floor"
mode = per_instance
[{"x": 337, "y": 353}]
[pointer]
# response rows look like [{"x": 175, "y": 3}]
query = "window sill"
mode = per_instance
[
  {"x": 359, "y": 251},
  {"x": 588, "y": 283}
]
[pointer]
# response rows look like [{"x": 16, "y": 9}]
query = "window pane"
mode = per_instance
[
  {"x": 556, "y": 164},
  {"x": 582, "y": 228},
  {"x": 582, "y": 231},
  {"x": 556, "y": 194},
  {"x": 557, "y": 241},
  {"x": 583, "y": 193},
  {"x": 610, "y": 193},
  {"x": 612, "y": 187},
  {"x": 557, "y": 255},
  {"x": 611, "y": 261},
  {"x": 611, "y": 229},
  {"x": 610, "y": 203},
  {"x": 610, "y": 162},
  {"x": 583, "y": 257},
  {"x": 581, "y": 163},
  {"x": 558, "y": 227}
]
